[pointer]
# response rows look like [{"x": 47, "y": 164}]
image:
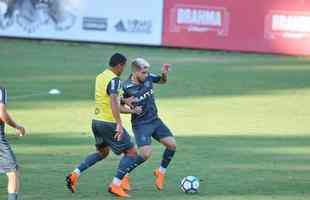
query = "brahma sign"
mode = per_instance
[
  {"x": 284, "y": 24},
  {"x": 276, "y": 26},
  {"x": 191, "y": 18}
]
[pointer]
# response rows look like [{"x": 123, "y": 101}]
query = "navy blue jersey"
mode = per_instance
[
  {"x": 3, "y": 99},
  {"x": 145, "y": 95}
]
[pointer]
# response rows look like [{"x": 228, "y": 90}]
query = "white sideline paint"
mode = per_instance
[{"x": 51, "y": 92}]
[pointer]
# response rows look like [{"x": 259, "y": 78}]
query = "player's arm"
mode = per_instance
[
  {"x": 128, "y": 101},
  {"x": 164, "y": 75},
  {"x": 6, "y": 118},
  {"x": 134, "y": 110},
  {"x": 127, "y": 98},
  {"x": 125, "y": 109},
  {"x": 112, "y": 91},
  {"x": 115, "y": 106}
]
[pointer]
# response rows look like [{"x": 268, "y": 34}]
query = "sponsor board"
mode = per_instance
[
  {"x": 134, "y": 26},
  {"x": 199, "y": 18},
  {"x": 281, "y": 26},
  {"x": 286, "y": 24},
  {"x": 95, "y": 23},
  {"x": 134, "y": 22}
]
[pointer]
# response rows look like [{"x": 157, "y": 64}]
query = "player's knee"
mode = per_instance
[
  {"x": 172, "y": 146},
  {"x": 146, "y": 153},
  {"x": 131, "y": 152},
  {"x": 169, "y": 143},
  {"x": 104, "y": 151}
]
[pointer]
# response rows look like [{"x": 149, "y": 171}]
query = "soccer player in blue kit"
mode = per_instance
[{"x": 148, "y": 125}]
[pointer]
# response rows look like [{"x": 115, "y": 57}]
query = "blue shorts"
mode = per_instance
[
  {"x": 144, "y": 132},
  {"x": 7, "y": 158},
  {"x": 104, "y": 133}
]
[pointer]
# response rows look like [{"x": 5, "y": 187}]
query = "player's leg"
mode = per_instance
[
  {"x": 131, "y": 159},
  {"x": 143, "y": 139},
  {"x": 13, "y": 184},
  {"x": 128, "y": 162},
  {"x": 143, "y": 136},
  {"x": 73, "y": 177},
  {"x": 101, "y": 153},
  {"x": 146, "y": 151},
  {"x": 8, "y": 165},
  {"x": 170, "y": 144},
  {"x": 165, "y": 137}
]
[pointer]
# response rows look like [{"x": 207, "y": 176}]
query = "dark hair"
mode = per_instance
[{"x": 116, "y": 59}]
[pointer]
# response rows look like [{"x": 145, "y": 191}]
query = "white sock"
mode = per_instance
[
  {"x": 116, "y": 181},
  {"x": 77, "y": 171},
  {"x": 162, "y": 170}
]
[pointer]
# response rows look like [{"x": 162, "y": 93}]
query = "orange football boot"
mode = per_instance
[
  {"x": 72, "y": 181},
  {"x": 117, "y": 191},
  {"x": 125, "y": 183},
  {"x": 160, "y": 179}
]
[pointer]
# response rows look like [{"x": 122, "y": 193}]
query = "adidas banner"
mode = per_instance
[{"x": 112, "y": 21}]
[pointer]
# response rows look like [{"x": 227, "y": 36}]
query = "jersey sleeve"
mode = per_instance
[
  {"x": 154, "y": 78},
  {"x": 124, "y": 93},
  {"x": 114, "y": 86},
  {"x": 3, "y": 95}
]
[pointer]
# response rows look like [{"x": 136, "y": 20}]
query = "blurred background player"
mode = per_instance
[
  {"x": 147, "y": 124},
  {"x": 108, "y": 129},
  {"x": 8, "y": 164}
]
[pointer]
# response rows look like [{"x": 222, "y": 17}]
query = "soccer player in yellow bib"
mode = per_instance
[{"x": 108, "y": 130}]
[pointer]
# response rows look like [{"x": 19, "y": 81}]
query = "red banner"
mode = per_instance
[{"x": 274, "y": 26}]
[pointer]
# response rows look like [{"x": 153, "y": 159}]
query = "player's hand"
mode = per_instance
[
  {"x": 129, "y": 101},
  {"x": 20, "y": 130},
  {"x": 166, "y": 68},
  {"x": 137, "y": 110},
  {"x": 119, "y": 131}
]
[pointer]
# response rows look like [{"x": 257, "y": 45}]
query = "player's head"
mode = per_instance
[
  {"x": 117, "y": 63},
  {"x": 140, "y": 69}
]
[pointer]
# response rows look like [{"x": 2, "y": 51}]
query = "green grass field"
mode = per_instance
[{"x": 241, "y": 121}]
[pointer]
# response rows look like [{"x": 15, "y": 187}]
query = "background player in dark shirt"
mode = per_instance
[
  {"x": 8, "y": 164},
  {"x": 147, "y": 125}
]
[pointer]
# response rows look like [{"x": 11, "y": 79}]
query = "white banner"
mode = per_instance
[{"x": 115, "y": 21}]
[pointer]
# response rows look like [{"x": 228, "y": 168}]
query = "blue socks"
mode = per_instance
[
  {"x": 12, "y": 196},
  {"x": 127, "y": 164},
  {"x": 167, "y": 157},
  {"x": 89, "y": 161}
]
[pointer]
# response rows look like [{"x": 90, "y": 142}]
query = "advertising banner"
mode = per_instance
[
  {"x": 115, "y": 21},
  {"x": 276, "y": 26}
]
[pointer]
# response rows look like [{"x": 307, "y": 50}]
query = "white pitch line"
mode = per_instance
[{"x": 31, "y": 95}]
